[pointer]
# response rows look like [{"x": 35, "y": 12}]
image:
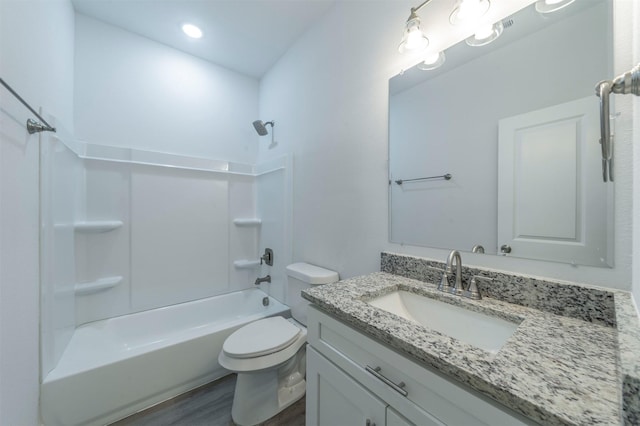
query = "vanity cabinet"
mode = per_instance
[
  {"x": 353, "y": 379},
  {"x": 340, "y": 399}
]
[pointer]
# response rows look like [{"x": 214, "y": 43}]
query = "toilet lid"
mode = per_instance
[{"x": 260, "y": 338}]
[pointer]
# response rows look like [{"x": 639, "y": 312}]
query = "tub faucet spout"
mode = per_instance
[{"x": 266, "y": 279}]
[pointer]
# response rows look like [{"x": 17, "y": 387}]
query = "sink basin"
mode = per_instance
[{"x": 477, "y": 329}]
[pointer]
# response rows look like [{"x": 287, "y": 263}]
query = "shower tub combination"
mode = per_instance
[{"x": 115, "y": 367}]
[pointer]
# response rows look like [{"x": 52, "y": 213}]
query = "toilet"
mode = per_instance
[{"x": 268, "y": 355}]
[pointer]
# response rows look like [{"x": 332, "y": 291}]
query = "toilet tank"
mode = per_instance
[{"x": 302, "y": 276}]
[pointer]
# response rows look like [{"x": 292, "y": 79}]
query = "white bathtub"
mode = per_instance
[{"x": 115, "y": 367}]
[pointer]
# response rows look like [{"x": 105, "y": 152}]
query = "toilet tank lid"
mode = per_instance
[{"x": 311, "y": 274}]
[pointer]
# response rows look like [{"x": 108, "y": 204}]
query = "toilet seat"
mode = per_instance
[
  {"x": 272, "y": 354},
  {"x": 261, "y": 338}
]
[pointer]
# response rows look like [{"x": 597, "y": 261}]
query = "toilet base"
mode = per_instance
[{"x": 263, "y": 394}]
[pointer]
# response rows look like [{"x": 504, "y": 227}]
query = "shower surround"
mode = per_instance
[{"x": 127, "y": 231}]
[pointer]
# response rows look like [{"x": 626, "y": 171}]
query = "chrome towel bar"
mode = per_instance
[{"x": 445, "y": 177}]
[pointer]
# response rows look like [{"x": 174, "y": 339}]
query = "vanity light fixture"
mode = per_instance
[
  {"x": 432, "y": 61},
  {"x": 468, "y": 10},
  {"x": 485, "y": 34},
  {"x": 413, "y": 40},
  {"x": 192, "y": 31},
  {"x": 550, "y": 6}
]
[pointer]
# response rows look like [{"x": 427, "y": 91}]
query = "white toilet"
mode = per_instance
[{"x": 269, "y": 354}]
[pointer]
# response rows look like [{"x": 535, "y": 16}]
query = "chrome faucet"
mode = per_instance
[
  {"x": 266, "y": 279},
  {"x": 471, "y": 291},
  {"x": 445, "y": 282}
]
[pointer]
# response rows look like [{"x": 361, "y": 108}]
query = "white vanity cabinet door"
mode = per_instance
[
  {"x": 334, "y": 398},
  {"x": 396, "y": 419}
]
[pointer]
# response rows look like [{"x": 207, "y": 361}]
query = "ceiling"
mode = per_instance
[{"x": 247, "y": 36}]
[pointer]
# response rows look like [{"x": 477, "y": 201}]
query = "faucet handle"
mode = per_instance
[
  {"x": 444, "y": 282},
  {"x": 472, "y": 291},
  {"x": 267, "y": 257}
]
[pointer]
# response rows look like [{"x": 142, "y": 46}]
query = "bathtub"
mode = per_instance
[{"x": 115, "y": 367}]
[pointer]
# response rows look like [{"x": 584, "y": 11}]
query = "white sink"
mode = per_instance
[{"x": 477, "y": 329}]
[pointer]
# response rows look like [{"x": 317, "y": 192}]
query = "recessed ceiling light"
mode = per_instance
[{"x": 192, "y": 31}]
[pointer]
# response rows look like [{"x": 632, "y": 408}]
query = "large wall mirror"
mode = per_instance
[{"x": 515, "y": 124}]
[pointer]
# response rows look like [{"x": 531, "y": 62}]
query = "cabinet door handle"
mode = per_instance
[
  {"x": 398, "y": 387},
  {"x": 369, "y": 423}
]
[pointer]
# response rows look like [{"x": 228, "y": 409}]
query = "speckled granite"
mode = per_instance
[
  {"x": 629, "y": 357},
  {"x": 554, "y": 369},
  {"x": 560, "y": 298}
]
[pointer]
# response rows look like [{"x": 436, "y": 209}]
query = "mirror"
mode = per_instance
[{"x": 515, "y": 123}]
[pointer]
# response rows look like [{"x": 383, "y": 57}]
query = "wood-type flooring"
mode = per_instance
[{"x": 208, "y": 405}]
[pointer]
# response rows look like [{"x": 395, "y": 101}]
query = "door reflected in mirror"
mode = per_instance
[{"x": 515, "y": 124}]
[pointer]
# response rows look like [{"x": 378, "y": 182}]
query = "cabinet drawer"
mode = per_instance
[{"x": 444, "y": 400}]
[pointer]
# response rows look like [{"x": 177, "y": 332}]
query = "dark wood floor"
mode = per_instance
[{"x": 208, "y": 405}]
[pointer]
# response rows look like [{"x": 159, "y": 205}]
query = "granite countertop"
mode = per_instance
[{"x": 554, "y": 369}]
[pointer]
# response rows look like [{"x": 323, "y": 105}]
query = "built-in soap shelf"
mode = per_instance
[
  {"x": 247, "y": 222},
  {"x": 96, "y": 226},
  {"x": 105, "y": 283},
  {"x": 246, "y": 264},
  {"x": 97, "y": 286}
]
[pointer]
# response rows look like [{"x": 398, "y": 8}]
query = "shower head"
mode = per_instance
[{"x": 261, "y": 127}]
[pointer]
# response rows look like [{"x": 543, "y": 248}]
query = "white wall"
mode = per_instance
[
  {"x": 36, "y": 58},
  {"x": 328, "y": 95},
  {"x": 137, "y": 93}
]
